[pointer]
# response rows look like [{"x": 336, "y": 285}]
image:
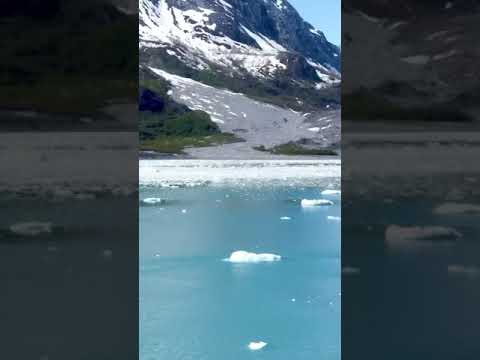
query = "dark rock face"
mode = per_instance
[
  {"x": 31, "y": 8},
  {"x": 281, "y": 23},
  {"x": 150, "y": 101},
  {"x": 410, "y": 8},
  {"x": 262, "y": 48},
  {"x": 129, "y": 6},
  {"x": 423, "y": 65},
  {"x": 298, "y": 68}
]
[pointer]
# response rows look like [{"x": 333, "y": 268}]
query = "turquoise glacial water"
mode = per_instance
[{"x": 195, "y": 306}]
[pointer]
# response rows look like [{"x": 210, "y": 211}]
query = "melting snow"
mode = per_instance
[{"x": 163, "y": 25}]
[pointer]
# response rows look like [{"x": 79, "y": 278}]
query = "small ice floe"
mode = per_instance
[
  {"x": 257, "y": 345},
  {"x": 331, "y": 192},
  {"x": 456, "y": 208},
  {"x": 107, "y": 254},
  {"x": 293, "y": 300},
  {"x": 247, "y": 257},
  {"x": 152, "y": 201},
  {"x": 334, "y": 218},
  {"x": 33, "y": 228},
  {"x": 349, "y": 270},
  {"x": 463, "y": 270},
  {"x": 405, "y": 237},
  {"x": 285, "y": 218},
  {"x": 314, "y": 129},
  {"x": 316, "y": 202},
  {"x": 184, "y": 211}
]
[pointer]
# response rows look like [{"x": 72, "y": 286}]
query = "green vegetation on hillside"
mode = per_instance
[
  {"x": 176, "y": 144},
  {"x": 72, "y": 59},
  {"x": 292, "y": 148},
  {"x": 176, "y": 127}
]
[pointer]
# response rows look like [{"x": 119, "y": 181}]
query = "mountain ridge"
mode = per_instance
[
  {"x": 233, "y": 60},
  {"x": 265, "y": 39}
]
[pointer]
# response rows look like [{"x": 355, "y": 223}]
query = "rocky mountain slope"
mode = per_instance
[
  {"x": 415, "y": 58},
  {"x": 258, "y": 56},
  {"x": 263, "y": 39}
]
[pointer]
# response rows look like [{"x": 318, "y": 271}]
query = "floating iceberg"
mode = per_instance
[
  {"x": 349, "y": 270},
  {"x": 316, "y": 202},
  {"x": 247, "y": 257},
  {"x": 31, "y": 228},
  {"x": 456, "y": 208},
  {"x": 331, "y": 192},
  {"x": 463, "y": 270},
  {"x": 285, "y": 218},
  {"x": 397, "y": 236},
  {"x": 334, "y": 218},
  {"x": 152, "y": 201},
  {"x": 257, "y": 345}
]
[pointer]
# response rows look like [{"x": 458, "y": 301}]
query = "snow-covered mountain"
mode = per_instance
[
  {"x": 415, "y": 55},
  {"x": 261, "y": 39},
  {"x": 255, "y": 67}
]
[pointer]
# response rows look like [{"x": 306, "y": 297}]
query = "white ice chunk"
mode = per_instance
[
  {"x": 31, "y": 228},
  {"x": 349, "y": 270},
  {"x": 316, "y": 202},
  {"x": 152, "y": 201},
  {"x": 257, "y": 345},
  {"x": 247, "y": 257},
  {"x": 285, "y": 218},
  {"x": 457, "y": 208},
  {"x": 463, "y": 270},
  {"x": 398, "y": 236},
  {"x": 331, "y": 192},
  {"x": 334, "y": 218}
]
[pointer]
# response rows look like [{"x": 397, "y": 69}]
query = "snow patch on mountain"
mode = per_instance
[
  {"x": 255, "y": 122},
  {"x": 191, "y": 36},
  {"x": 196, "y": 37}
]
